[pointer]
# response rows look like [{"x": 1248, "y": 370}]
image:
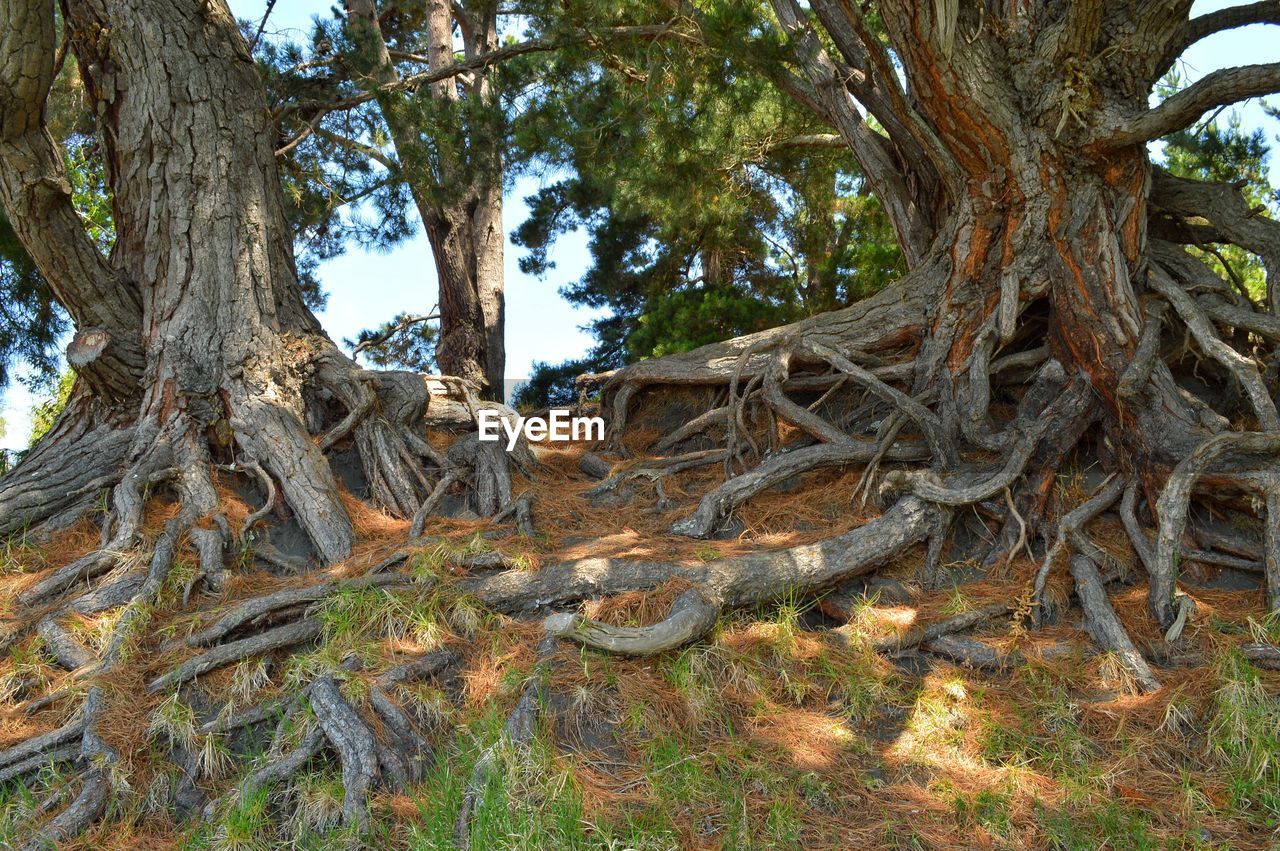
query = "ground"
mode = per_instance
[{"x": 792, "y": 725}]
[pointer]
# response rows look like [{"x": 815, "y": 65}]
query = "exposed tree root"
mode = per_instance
[
  {"x": 257, "y": 608},
  {"x": 994, "y": 411},
  {"x": 691, "y": 617},
  {"x": 288, "y": 635},
  {"x": 1172, "y": 510},
  {"x": 972, "y": 653},
  {"x": 1070, "y": 532},
  {"x": 929, "y": 632},
  {"x": 732, "y": 582},
  {"x": 1101, "y": 621},
  {"x": 517, "y": 732},
  {"x": 355, "y": 744}
]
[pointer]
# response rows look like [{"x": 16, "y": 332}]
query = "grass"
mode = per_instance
[
  {"x": 1244, "y": 737},
  {"x": 766, "y": 734}
]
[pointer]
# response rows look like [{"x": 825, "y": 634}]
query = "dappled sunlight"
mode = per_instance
[
  {"x": 934, "y": 732},
  {"x": 871, "y": 621},
  {"x": 771, "y": 725},
  {"x": 812, "y": 741}
]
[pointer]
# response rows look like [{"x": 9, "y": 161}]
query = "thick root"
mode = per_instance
[
  {"x": 1101, "y": 621},
  {"x": 691, "y": 618},
  {"x": 732, "y": 582},
  {"x": 517, "y": 732}
]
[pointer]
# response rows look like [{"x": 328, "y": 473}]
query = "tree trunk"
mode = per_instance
[
  {"x": 1042, "y": 243},
  {"x": 194, "y": 345},
  {"x": 199, "y": 352},
  {"x": 455, "y": 180}
]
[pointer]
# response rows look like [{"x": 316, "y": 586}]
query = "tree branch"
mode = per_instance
[
  {"x": 479, "y": 62},
  {"x": 360, "y": 148},
  {"x": 36, "y": 194},
  {"x": 1203, "y": 26},
  {"x": 1182, "y": 109},
  {"x": 379, "y": 339},
  {"x": 827, "y": 94}
]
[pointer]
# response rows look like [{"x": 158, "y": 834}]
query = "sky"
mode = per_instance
[{"x": 367, "y": 288}]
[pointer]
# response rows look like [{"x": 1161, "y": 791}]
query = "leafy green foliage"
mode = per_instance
[
  {"x": 756, "y": 217},
  {"x": 30, "y": 319},
  {"x": 346, "y": 181},
  {"x": 403, "y": 343},
  {"x": 45, "y": 412}
]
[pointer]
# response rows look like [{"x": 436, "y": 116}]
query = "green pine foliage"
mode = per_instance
[{"x": 714, "y": 204}]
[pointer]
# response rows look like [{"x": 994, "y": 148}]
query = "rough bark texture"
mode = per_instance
[
  {"x": 195, "y": 352},
  {"x": 1013, "y": 166}
]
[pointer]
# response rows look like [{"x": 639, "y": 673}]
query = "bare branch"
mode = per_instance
[
  {"x": 825, "y": 92},
  {"x": 479, "y": 62},
  {"x": 1182, "y": 109},
  {"x": 809, "y": 140},
  {"x": 1203, "y": 26}
]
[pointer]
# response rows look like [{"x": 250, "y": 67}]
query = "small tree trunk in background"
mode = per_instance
[{"x": 456, "y": 183}]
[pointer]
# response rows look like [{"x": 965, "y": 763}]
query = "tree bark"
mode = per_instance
[
  {"x": 194, "y": 343},
  {"x": 1010, "y": 156}
]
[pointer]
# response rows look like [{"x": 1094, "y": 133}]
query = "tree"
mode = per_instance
[
  {"x": 194, "y": 346},
  {"x": 356, "y": 97},
  {"x": 1045, "y": 254},
  {"x": 1045, "y": 248},
  {"x": 33, "y": 322},
  {"x": 30, "y": 319},
  {"x": 441, "y": 129}
]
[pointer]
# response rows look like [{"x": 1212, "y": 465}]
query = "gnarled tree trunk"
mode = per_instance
[
  {"x": 1014, "y": 166},
  {"x": 194, "y": 348},
  {"x": 1046, "y": 252}
]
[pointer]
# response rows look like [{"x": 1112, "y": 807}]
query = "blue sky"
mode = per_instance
[{"x": 367, "y": 288}]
